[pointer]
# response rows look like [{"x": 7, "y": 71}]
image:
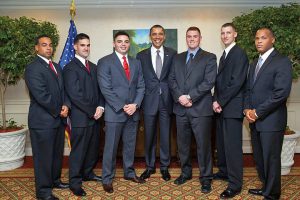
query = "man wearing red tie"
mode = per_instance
[
  {"x": 87, "y": 106},
  {"x": 48, "y": 110},
  {"x": 122, "y": 85}
]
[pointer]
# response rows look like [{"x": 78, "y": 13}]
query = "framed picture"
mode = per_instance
[{"x": 139, "y": 39}]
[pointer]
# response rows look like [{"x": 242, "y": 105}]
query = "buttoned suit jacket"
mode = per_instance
[
  {"x": 269, "y": 92},
  {"x": 47, "y": 95},
  {"x": 231, "y": 83},
  {"x": 153, "y": 84},
  {"x": 83, "y": 91},
  {"x": 197, "y": 82},
  {"x": 116, "y": 88}
]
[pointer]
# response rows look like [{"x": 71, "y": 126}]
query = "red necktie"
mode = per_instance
[
  {"x": 52, "y": 67},
  {"x": 87, "y": 65},
  {"x": 126, "y": 67}
]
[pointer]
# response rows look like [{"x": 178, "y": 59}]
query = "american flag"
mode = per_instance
[{"x": 66, "y": 56}]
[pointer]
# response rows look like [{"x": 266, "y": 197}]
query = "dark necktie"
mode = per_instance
[
  {"x": 52, "y": 67},
  {"x": 158, "y": 64},
  {"x": 221, "y": 63},
  {"x": 87, "y": 65},
  {"x": 189, "y": 62},
  {"x": 258, "y": 66},
  {"x": 126, "y": 67}
]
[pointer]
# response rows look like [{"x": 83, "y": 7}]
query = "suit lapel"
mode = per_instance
[
  {"x": 222, "y": 65},
  {"x": 194, "y": 62},
  {"x": 149, "y": 60},
  {"x": 132, "y": 68},
  {"x": 263, "y": 67},
  {"x": 81, "y": 66},
  {"x": 165, "y": 63},
  {"x": 52, "y": 73}
]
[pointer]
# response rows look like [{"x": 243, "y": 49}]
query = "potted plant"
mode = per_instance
[
  {"x": 17, "y": 40},
  {"x": 288, "y": 150}
]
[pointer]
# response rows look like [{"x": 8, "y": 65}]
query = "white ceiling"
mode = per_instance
[{"x": 23, "y": 4}]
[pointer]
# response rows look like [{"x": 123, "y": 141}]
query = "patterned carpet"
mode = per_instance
[{"x": 19, "y": 184}]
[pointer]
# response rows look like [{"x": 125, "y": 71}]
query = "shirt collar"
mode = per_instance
[
  {"x": 266, "y": 54},
  {"x": 45, "y": 59},
  {"x": 82, "y": 60},
  {"x": 154, "y": 50},
  {"x": 227, "y": 49},
  {"x": 193, "y": 52},
  {"x": 120, "y": 56}
]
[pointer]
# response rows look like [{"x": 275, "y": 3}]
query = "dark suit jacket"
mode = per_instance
[
  {"x": 117, "y": 90},
  {"x": 269, "y": 93},
  {"x": 230, "y": 83},
  {"x": 46, "y": 90},
  {"x": 83, "y": 91},
  {"x": 153, "y": 84},
  {"x": 196, "y": 82}
]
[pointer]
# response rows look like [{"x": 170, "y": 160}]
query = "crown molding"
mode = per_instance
[{"x": 63, "y": 4}]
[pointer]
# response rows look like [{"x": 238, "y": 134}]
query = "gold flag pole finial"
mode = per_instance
[{"x": 72, "y": 10}]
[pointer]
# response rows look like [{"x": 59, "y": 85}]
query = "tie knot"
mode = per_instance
[
  {"x": 124, "y": 57},
  {"x": 224, "y": 54},
  {"x": 191, "y": 55},
  {"x": 158, "y": 51}
]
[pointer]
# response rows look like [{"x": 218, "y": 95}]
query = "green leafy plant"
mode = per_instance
[
  {"x": 285, "y": 23},
  {"x": 17, "y": 40}
]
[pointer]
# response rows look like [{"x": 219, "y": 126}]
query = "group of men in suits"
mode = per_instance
[{"x": 159, "y": 82}]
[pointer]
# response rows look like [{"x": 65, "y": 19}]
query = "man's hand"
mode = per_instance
[
  {"x": 64, "y": 111},
  {"x": 130, "y": 109},
  {"x": 184, "y": 101},
  {"x": 216, "y": 107},
  {"x": 249, "y": 115},
  {"x": 98, "y": 113}
]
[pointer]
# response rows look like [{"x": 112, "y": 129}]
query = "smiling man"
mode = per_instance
[
  {"x": 228, "y": 106},
  {"x": 268, "y": 87},
  {"x": 122, "y": 84},
  {"x": 191, "y": 79},
  {"x": 157, "y": 104}
]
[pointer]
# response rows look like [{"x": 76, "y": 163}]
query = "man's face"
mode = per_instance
[
  {"x": 193, "y": 39},
  {"x": 228, "y": 35},
  {"x": 264, "y": 40},
  {"x": 122, "y": 44},
  {"x": 82, "y": 48},
  {"x": 157, "y": 37},
  {"x": 44, "y": 47}
]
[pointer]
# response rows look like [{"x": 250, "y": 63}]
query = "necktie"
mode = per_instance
[
  {"x": 158, "y": 64},
  {"x": 87, "y": 65},
  {"x": 126, "y": 67},
  {"x": 52, "y": 67},
  {"x": 189, "y": 62},
  {"x": 258, "y": 66},
  {"x": 221, "y": 63}
]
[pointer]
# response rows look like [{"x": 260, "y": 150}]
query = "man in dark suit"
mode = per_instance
[
  {"x": 156, "y": 63},
  {"x": 268, "y": 87},
  {"x": 228, "y": 106},
  {"x": 121, "y": 81},
  {"x": 191, "y": 79},
  {"x": 48, "y": 107},
  {"x": 87, "y": 103}
]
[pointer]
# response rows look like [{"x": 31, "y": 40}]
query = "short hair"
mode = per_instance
[
  {"x": 229, "y": 25},
  {"x": 193, "y": 28},
  {"x": 156, "y": 26},
  {"x": 37, "y": 39},
  {"x": 121, "y": 33},
  {"x": 81, "y": 36},
  {"x": 269, "y": 29}
]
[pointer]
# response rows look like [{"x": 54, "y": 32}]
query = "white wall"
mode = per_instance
[{"x": 98, "y": 23}]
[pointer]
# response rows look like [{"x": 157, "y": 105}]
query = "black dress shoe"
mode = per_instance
[
  {"x": 94, "y": 178},
  {"x": 165, "y": 174},
  {"x": 61, "y": 185},
  {"x": 79, "y": 192},
  {"x": 258, "y": 192},
  {"x": 108, "y": 188},
  {"x": 51, "y": 197},
  {"x": 181, "y": 180},
  {"x": 229, "y": 193},
  {"x": 219, "y": 176},
  {"x": 135, "y": 179},
  {"x": 206, "y": 187},
  {"x": 147, "y": 173}
]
